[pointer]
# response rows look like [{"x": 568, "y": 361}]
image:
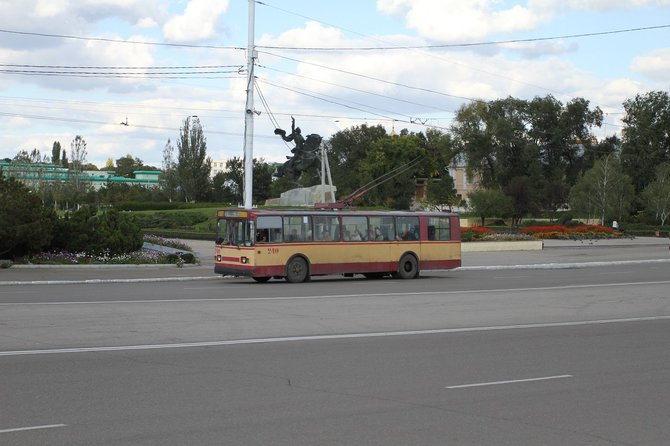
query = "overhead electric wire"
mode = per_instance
[
  {"x": 133, "y": 42},
  {"x": 494, "y": 74},
  {"x": 90, "y": 121},
  {"x": 359, "y": 90},
  {"x": 365, "y": 76},
  {"x": 225, "y": 74},
  {"x": 122, "y": 105},
  {"x": 108, "y": 67},
  {"x": 271, "y": 116},
  {"x": 314, "y": 93},
  {"x": 409, "y": 120},
  {"x": 462, "y": 45}
]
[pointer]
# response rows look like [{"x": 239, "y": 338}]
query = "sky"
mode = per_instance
[{"x": 125, "y": 74}]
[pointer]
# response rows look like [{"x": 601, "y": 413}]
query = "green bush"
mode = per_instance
[
  {"x": 161, "y": 205},
  {"x": 25, "y": 225},
  {"x": 170, "y": 220},
  {"x": 97, "y": 233}
]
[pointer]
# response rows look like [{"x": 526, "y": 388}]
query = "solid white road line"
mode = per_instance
[
  {"x": 326, "y": 337},
  {"x": 31, "y": 428},
  {"x": 343, "y": 296},
  {"x": 512, "y": 381}
]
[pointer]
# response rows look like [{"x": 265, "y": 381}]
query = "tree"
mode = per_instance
[
  {"x": 646, "y": 136},
  {"x": 25, "y": 225},
  {"x": 544, "y": 140},
  {"x": 348, "y": 150},
  {"x": 262, "y": 181},
  {"x": 78, "y": 155},
  {"x": 168, "y": 177},
  {"x": 55, "y": 152},
  {"x": 228, "y": 185},
  {"x": 490, "y": 203},
  {"x": 440, "y": 192},
  {"x": 30, "y": 168},
  {"x": 604, "y": 191},
  {"x": 362, "y": 155},
  {"x": 193, "y": 164},
  {"x": 656, "y": 196},
  {"x": 523, "y": 197},
  {"x": 126, "y": 165},
  {"x": 493, "y": 139}
]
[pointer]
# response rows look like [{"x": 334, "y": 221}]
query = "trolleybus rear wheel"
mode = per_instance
[
  {"x": 408, "y": 267},
  {"x": 296, "y": 270}
]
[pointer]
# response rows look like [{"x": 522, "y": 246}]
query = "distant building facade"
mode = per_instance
[
  {"x": 462, "y": 183},
  {"x": 35, "y": 175}
]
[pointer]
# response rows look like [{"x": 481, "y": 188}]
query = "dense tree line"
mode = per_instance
[
  {"x": 530, "y": 157},
  {"x": 543, "y": 155}
]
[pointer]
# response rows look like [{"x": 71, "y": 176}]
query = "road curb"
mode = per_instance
[{"x": 572, "y": 265}]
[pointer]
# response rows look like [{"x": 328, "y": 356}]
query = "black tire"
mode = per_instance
[
  {"x": 408, "y": 267},
  {"x": 297, "y": 270},
  {"x": 261, "y": 279}
]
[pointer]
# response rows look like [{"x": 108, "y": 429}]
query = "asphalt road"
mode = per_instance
[{"x": 497, "y": 354}]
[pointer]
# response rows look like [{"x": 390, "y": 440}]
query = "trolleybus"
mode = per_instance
[{"x": 297, "y": 244}]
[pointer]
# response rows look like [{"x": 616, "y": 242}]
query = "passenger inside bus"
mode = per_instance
[
  {"x": 378, "y": 234},
  {"x": 408, "y": 234},
  {"x": 293, "y": 236}
]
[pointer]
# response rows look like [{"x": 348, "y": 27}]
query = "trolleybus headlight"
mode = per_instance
[
  {"x": 218, "y": 258},
  {"x": 244, "y": 260}
]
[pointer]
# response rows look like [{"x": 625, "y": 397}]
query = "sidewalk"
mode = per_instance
[
  {"x": 555, "y": 252},
  {"x": 203, "y": 250}
]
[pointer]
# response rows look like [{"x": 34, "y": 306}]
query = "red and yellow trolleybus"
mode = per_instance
[{"x": 298, "y": 244}]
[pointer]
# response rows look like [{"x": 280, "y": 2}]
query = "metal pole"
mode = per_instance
[
  {"x": 249, "y": 112},
  {"x": 330, "y": 179},
  {"x": 323, "y": 175}
]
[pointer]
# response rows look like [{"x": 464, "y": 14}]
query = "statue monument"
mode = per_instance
[{"x": 305, "y": 153}]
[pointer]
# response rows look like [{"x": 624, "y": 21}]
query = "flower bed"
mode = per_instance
[
  {"x": 565, "y": 232},
  {"x": 475, "y": 233},
  {"x": 481, "y": 233},
  {"x": 142, "y": 256}
]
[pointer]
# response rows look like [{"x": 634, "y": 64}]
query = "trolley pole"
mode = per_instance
[{"x": 249, "y": 112}]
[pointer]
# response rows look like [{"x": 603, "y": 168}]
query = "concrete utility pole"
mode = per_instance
[{"x": 249, "y": 112}]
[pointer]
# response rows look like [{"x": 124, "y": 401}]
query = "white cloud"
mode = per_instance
[
  {"x": 655, "y": 65},
  {"x": 50, "y": 8},
  {"x": 461, "y": 21},
  {"x": 146, "y": 22},
  {"x": 593, "y": 5},
  {"x": 451, "y": 20},
  {"x": 198, "y": 22}
]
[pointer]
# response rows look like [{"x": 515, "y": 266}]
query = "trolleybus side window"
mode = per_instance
[
  {"x": 268, "y": 229},
  {"x": 355, "y": 228},
  {"x": 326, "y": 228},
  {"x": 298, "y": 228},
  {"x": 439, "y": 228},
  {"x": 408, "y": 228},
  {"x": 382, "y": 228}
]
